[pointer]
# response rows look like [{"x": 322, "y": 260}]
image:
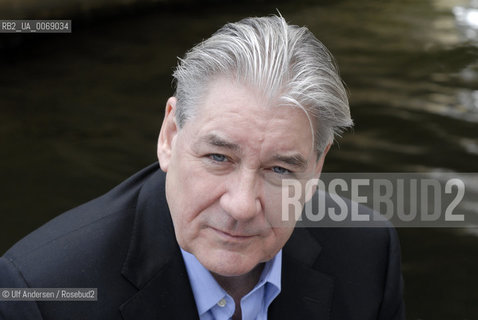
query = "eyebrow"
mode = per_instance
[
  {"x": 217, "y": 141},
  {"x": 295, "y": 160}
]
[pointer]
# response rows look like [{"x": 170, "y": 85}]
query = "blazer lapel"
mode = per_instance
[
  {"x": 166, "y": 296},
  {"x": 306, "y": 293},
  {"x": 154, "y": 264}
]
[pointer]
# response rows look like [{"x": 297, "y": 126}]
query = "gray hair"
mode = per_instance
[{"x": 286, "y": 62}]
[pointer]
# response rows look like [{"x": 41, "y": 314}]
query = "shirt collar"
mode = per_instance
[
  {"x": 272, "y": 271},
  {"x": 207, "y": 292}
]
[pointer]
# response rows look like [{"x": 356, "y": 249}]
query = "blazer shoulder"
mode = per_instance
[{"x": 82, "y": 230}]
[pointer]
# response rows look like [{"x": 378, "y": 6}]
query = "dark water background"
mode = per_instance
[{"x": 81, "y": 112}]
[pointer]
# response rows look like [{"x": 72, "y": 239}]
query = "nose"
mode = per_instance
[{"x": 241, "y": 200}]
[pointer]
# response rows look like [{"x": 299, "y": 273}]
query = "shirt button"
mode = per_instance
[{"x": 222, "y": 303}]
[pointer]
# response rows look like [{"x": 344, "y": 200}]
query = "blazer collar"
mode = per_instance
[
  {"x": 306, "y": 292},
  {"x": 154, "y": 264}
]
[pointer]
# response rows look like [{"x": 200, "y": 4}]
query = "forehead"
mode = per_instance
[{"x": 242, "y": 114}]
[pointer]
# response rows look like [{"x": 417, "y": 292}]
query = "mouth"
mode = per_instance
[{"x": 232, "y": 236}]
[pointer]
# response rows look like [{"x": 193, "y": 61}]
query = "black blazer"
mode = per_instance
[{"x": 123, "y": 243}]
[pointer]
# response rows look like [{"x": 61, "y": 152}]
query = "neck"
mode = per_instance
[{"x": 238, "y": 286}]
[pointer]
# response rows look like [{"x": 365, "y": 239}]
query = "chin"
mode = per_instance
[{"x": 230, "y": 268}]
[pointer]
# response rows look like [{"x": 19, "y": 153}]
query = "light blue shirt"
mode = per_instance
[{"x": 214, "y": 303}]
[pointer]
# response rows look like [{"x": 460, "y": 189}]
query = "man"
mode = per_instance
[{"x": 205, "y": 237}]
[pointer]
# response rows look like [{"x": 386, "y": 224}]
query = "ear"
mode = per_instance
[
  {"x": 318, "y": 169},
  {"x": 167, "y": 135}
]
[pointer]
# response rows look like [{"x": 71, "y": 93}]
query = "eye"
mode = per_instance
[
  {"x": 280, "y": 170},
  {"x": 217, "y": 157}
]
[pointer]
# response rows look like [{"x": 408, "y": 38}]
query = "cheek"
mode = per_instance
[
  {"x": 192, "y": 197},
  {"x": 274, "y": 214},
  {"x": 281, "y": 228},
  {"x": 277, "y": 239},
  {"x": 283, "y": 234}
]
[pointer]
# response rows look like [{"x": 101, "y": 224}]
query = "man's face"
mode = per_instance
[{"x": 224, "y": 172}]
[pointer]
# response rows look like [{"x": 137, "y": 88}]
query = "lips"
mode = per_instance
[{"x": 233, "y": 235}]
